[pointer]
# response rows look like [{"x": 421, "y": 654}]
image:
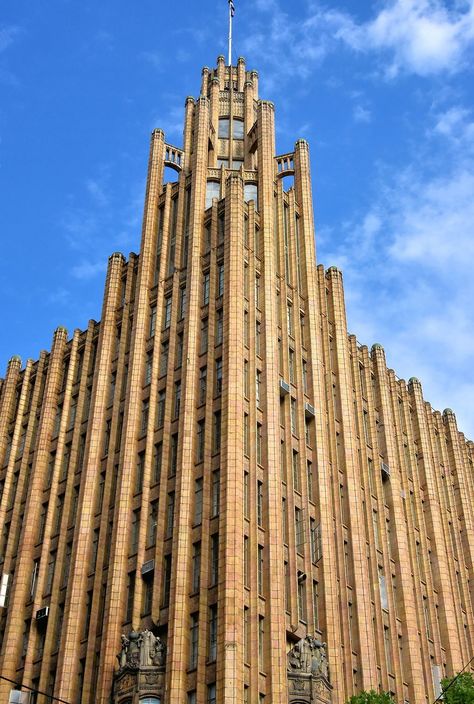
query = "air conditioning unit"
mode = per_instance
[
  {"x": 284, "y": 388},
  {"x": 17, "y": 697},
  {"x": 148, "y": 567},
  {"x": 385, "y": 471},
  {"x": 309, "y": 410},
  {"x": 43, "y": 613}
]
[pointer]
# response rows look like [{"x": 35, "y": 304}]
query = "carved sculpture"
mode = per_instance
[
  {"x": 142, "y": 649},
  {"x": 309, "y": 657}
]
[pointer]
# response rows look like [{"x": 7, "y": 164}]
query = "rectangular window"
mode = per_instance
[
  {"x": 260, "y": 568},
  {"x": 167, "y": 313},
  {"x": 291, "y": 365},
  {"x": 211, "y": 693},
  {"x": 246, "y": 435},
  {"x": 164, "y": 357},
  {"x": 173, "y": 455},
  {"x": 296, "y": 472},
  {"x": 290, "y": 320},
  {"x": 305, "y": 376},
  {"x": 220, "y": 279},
  {"x": 140, "y": 472},
  {"x": 157, "y": 462},
  {"x": 293, "y": 415},
  {"x": 215, "y": 496},
  {"x": 258, "y": 386},
  {"x": 130, "y": 597},
  {"x": 152, "y": 323},
  {"x": 246, "y": 328},
  {"x": 205, "y": 288},
  {"x": 258, "y": 338},
  {"x": 219, "y": 326},
  {"x": 246, "y": 561},
  {"x": 299, "y": 529},
  {"x": 152, "y": 523},
  {"x": 193, "y": 641},
  {"x": 259, "y": 446},
  {"x": 214, "y": 559},
  {"x": 134, "y": 532},
  {"x": 148, "y": 367},
  {"x": 246, "y": 495},
  {"x": 218, "y": 376},
  {"x": 309, "y": 474},
  {"x": 202, "y": 384},
  {"x": 217, "y": 431},
  {"x": 182, "y": 302},
  {"x": 246, "y": 635},
  {"x": 170, "y": 515},
  {"x": 204, "y": 334},
  {"x": 179, "y": 349},
  {"x": 201, "y": 427},
  {"x": 166, "y": 580},
  {"x": 315, "y": 606},
  {"x": 196, "y": 567},
  {"x": 145, "y": 413},
  {"x": 160, "y": 409},
  {"x": 212, "y": 650},
  {"x": 177, "y": 399},
  {"x": 261, "y": 637},
  {"x": 301, "y": 599},
  {"x": 198, "y": 487},
  {"x": 260, "y": 504},
  {"x": 257, "y": 291},
  {"x": 246, "y": 379}
]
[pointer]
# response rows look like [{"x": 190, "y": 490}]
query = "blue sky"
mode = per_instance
[{"x": 382, "y": 90}]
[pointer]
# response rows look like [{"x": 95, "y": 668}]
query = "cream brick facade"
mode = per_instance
[{"x": 221, "y": 427}]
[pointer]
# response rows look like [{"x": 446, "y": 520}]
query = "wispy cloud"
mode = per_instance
[
  {"x": 8, "y": 35},
  {"x": 88, "y": 269},
  {"x": 362, "y": 114},
  {"x": 407, "y": 264}
]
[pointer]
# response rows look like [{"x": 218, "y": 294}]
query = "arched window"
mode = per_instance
[
  {"x": 150, "y": 700},
  {"x": 213, "y": 190},
  {"x": 251, "y": 193},
  {"x": 224, "y": 128},
  {"x": 238, "y": 129}
]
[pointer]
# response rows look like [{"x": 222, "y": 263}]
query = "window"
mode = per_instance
[
  {"x": 258, "y": 337},
  {"x": 261, "y": 635},
  {"x": 157, "y": 462},
  {"x": 260, "y": 503},
  {"x": 290, "y": 320},
  {"x": 220, "y": 279},
  {"x": 251, "y": 193},
  {"x": 173, "y": 455},
  {"x": 213, "y": 190},
  {"x": 211, "y": 693},
  {"x": 259, "y": 443},
  {"x": 140, "y": 472},
  {"x": 315, "y": 605},
  {"x": 296, "y": 472},
  {"x": 193, "y": 641},
  {"x": 214, "y": 559},
  {"x": 134, "y": 532},
  {"x": 302, "y": 597},
  {"x": 293, "y": 415},
  {"x": 260, "y": 568},
  {"x": 299, "y": 529},
  {"x": 167, "y": 317},
  {"x": 160, "y": 415},
  {"x": 164, "y": 357},
  {"x": 205, "y": 288},
  {"x": 219, "y": 326},
  {"x": 217, "y": 431},
  {"x": 257, "y": 290},
  {"x": 238, "y": 129},
  {"x": 179, "y": 350},
  {"x": 309, "y": 474},
  {"x": 246, "y": 561},
  {"x": 246, "y": 495},
  {"x": 224, "y": 128},
  {"x": 246, "y": 379},
  {"x": 202, "y": 384},
  {"x": 316, "y": 545},
  {"x": 204, "y": 334},
  {"x": 258, "y": 386},
  {"x": 291, "y": 365},
  {"x": 246, "y": 435},
  {"x": 200, "y": 440},
  {"x": 212, "y": 650},
  {"x": 170, "y": 515},
  {"x": 152, "y": 323},
  {"x": 152, "y": 523},
  {"x": 198, "y": 486},
  {"x": 177, "y": 399},
  {"x": 130, "y": 596},
  {"x": 218, "y": 376},
  {"x": 166, "y": 580},
  {"x": 215, "y": 496},
  {"x": 305, "y": 376},
  {"x": 182, "y": 303},
  {"x": 145, "y": 413},
  {"x": 196, "y": 567}
]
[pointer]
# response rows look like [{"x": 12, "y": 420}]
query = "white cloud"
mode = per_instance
[
  {"x": 87, "y": 269},
  {"x": 362, "y": 114},
  {"x": 7, "y": 36}
]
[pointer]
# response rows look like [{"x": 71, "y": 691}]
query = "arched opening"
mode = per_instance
[
  {"x": 170, "y": 175},
  {"x": 251, "y": 193}
]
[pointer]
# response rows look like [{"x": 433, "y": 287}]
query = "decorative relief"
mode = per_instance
[
  {"x": 142, "y": 649},
  {"x": 309, "y": 656}
]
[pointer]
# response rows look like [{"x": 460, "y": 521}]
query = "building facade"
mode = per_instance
[{"x": 216, "y": 495}]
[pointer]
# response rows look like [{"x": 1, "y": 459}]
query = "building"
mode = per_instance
[{"x": 216, "y": 483}]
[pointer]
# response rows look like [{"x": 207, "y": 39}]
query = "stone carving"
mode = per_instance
[
  {"x": 309, "y": 657},
  {"x": 142, "y": 649}
]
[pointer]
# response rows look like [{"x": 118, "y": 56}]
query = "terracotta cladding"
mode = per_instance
[{"x": 220, "y": 426}]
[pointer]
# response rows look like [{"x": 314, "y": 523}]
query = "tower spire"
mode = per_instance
[{"x": 231, "y": 16}]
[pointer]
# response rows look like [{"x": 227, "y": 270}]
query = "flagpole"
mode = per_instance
[{"x": 230, "y": 33}]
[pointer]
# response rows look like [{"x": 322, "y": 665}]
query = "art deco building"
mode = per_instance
[{"x": 219, "y": 472}]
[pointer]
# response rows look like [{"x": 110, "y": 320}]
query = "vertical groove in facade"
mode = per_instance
[{"x": 219, "y": 461}]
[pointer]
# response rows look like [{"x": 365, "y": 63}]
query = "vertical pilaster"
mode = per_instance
[
  {"x": 7, "y": 402},
  {"x": 275, "y": 636},
  {"x": 29, "y": 536}
]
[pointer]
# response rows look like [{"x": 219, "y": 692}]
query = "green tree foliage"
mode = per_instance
[
  {"x": 461, "y": 691},
  {"x": 372, "y": 697}
]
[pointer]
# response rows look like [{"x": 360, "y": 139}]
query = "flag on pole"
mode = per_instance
[{"x": 232, "y": 8}]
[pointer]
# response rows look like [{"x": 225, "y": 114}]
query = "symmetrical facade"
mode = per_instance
[{"x": 216, "y": 495}]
